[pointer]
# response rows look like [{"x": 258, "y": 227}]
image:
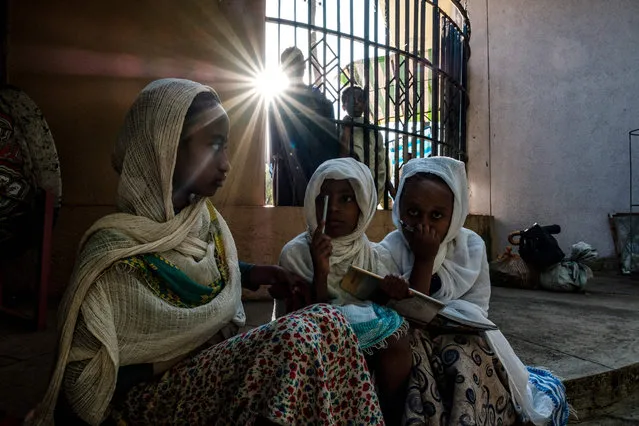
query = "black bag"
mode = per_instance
[{"x": 537, "y": 247}]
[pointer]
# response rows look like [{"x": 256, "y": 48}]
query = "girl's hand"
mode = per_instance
[
  {"x": 321, "y": 249},
  {"x": 301, "y": 298},
  {"x": 424, "y": 242},
  {"x": 282, "y": 283},
  {"x": 395, "y": 287}
]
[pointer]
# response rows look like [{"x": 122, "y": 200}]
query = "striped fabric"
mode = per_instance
[{"x": 546, "y": 382}]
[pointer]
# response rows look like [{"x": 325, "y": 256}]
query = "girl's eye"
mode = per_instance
[
  {"x": 219, "y": 147},
  {"x": 412, "y": 212},
  {"x": 437, "y": 215},
  {"x": 218, "y": 143},
  {"x": 348, "y": 198}
]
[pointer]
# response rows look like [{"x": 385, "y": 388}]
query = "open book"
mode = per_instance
[{"x": 420, "y": 309}]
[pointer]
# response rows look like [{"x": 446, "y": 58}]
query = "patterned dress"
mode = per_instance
[
  {"x": 456, "y": 379},
  {"x": 30, "y": 131},
  {"x": 28, "y": 160},
  {"x": 16, "y": 191},
  {"x": 303, "y": 369},
  {"x": 306, "y": 368}
]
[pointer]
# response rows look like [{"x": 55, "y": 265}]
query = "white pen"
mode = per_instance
[{"x": 324, "y": 213}]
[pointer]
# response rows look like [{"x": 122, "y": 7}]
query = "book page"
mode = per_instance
[
  {"x": 415, "y": 309},
  {"x": 453, "y": 317}
]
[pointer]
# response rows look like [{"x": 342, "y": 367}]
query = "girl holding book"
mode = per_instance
[
  {"x": 470, "y": 378},
  {"x": 335, "y": 240},
  {"x": 440, "y": 376}
]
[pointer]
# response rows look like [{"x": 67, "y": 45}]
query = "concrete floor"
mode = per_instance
[
  {"x": 573, "y": 334},
  {"x": 591, "y": 340}
]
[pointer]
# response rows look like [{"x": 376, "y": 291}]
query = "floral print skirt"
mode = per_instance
[
  {"x": 456, "y": 380},
  {"x": 303, "y": 369}
]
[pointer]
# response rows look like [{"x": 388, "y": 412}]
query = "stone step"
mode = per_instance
[
  {"x": 597, "y": 395},
  {"x": 624, "y": 412}
]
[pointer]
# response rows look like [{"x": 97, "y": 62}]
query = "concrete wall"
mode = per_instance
[
  {"x": 478, "y": 113},
  {"x": 84, "y": 63},
  {"x": 554, "y": 92}
]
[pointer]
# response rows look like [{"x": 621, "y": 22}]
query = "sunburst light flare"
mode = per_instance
[{"x": 270, "y": 83}]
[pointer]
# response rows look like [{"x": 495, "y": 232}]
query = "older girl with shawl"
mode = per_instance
[
  {"x": 459, "y": 379},
  {"x": 323, "y": 254},
  {"x": 148, "y": 317}
]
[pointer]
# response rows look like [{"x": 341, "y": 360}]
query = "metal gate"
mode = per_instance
[{"x": 410, "y": 56}]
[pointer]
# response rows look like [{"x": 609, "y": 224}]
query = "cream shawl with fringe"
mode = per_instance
[{"x": 106, "y": 323}]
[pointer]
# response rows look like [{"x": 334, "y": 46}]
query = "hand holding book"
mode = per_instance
[
  {"x": 394, "y": 288},
  {"x": 411, "y": 304}
]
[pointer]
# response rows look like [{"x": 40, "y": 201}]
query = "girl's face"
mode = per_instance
[
  {"x": 202, "y": 158},
  {"x": 342, "y": 215},
  {"x": 427, "y": 201}
]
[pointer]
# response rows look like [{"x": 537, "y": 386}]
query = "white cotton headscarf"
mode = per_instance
[
  {"x": 110, "y": 310},
  {"x": 461, "y": 263},
  {"x": 372, "y": 324},
  {"x": 451, "y": 171},
  {"x": 353, "y": 249}
]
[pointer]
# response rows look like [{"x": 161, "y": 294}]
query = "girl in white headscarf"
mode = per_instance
[
  {"x": 323, "y": 254},
  {"x": 148, "y": 318},
  {"x": 459, "y": 379}
]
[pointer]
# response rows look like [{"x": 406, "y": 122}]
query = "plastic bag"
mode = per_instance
[
  {"x": 509, "y": 270},
  {"x": 571, "y": 274},
  {"x": 583, "y": 253}
]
